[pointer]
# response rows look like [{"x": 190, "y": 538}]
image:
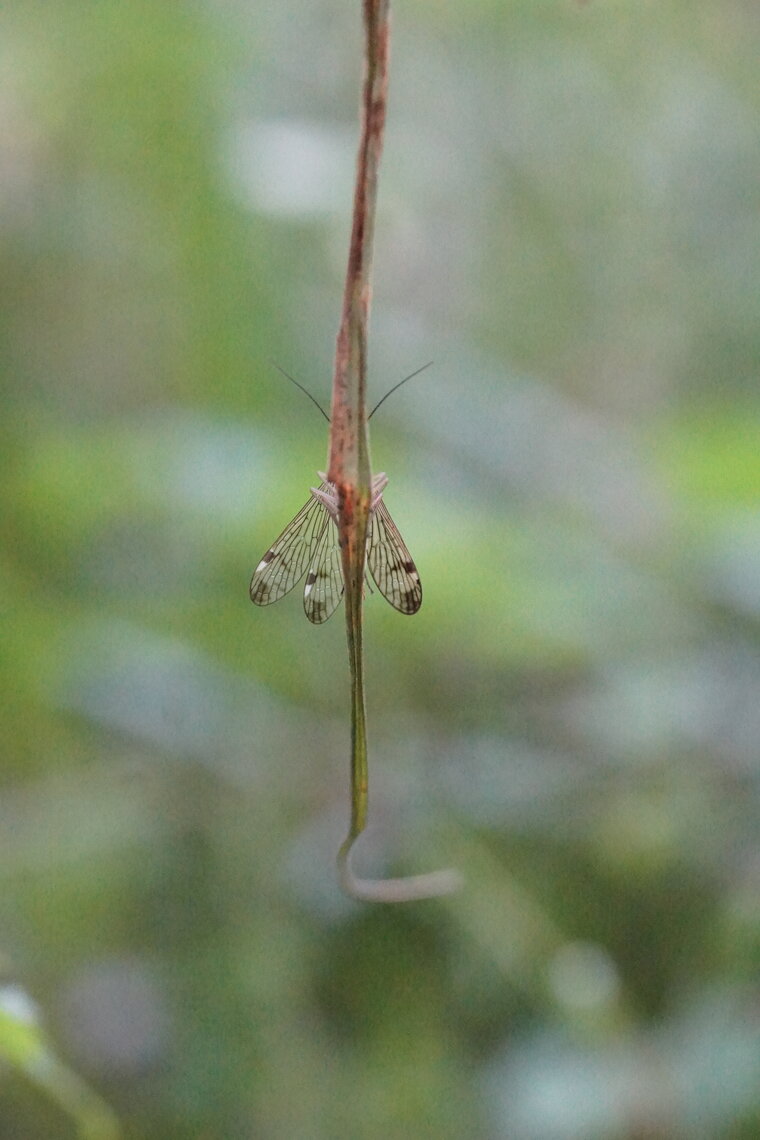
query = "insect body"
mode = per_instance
[{"x": 309, "y": 545}]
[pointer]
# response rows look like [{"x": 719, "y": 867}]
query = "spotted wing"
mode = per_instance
[
  {"x": 391, "y": 564},
  {"x": 324, "y": 582},
  {"x": 285, "y": 563}
]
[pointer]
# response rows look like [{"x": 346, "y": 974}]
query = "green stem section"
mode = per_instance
[
  {"x": 359, "y": 763},
  {"x": 406, "y": 889}
]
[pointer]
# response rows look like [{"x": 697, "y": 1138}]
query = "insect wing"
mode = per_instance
[
  {"x": 391, "y": 565},
  {"x": 324, "y": 582},
  {"x": 285, "y": 563}
]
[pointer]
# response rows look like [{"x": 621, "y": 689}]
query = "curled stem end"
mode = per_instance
[{"x": 411, "y": 888}]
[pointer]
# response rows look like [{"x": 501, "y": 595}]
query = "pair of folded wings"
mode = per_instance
[{"x": 310, "y": 543}]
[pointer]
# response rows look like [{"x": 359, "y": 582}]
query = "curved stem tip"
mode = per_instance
[{"x": 411, "y": 888}]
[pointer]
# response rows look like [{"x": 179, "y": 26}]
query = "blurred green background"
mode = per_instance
[{"x": 569, "y": 225}]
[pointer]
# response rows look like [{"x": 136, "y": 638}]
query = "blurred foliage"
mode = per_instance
[
  {"x": 570, "y": 226},
  {"x": 23, "y": 1044}
]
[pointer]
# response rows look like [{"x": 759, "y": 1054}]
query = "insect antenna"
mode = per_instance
[
  {"x": 317, "y": 404},
  {"x": 305, "y": 391},
  {"x": 397, "y": 386}
]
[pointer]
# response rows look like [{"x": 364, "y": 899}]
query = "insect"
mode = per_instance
[{"x": 309, "y": 545}]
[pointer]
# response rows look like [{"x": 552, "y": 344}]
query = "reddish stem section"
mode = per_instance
[{"x": 348, "y": 462}]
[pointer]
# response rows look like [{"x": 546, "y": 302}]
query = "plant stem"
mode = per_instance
[
  {"x": 349, "y": 468},
  {"x": 349, "y": 442}
]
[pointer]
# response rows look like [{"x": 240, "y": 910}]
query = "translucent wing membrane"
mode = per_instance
[
  {"x": 286, "y": 562},
  {"x": 324, "y": 582},
  {"x": 391, "y": 564},
  {"x": 310, "y": 542}
]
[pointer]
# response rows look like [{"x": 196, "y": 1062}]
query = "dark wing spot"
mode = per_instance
[
  {"x": 409, "y": 602},
  {"x": 268, "y": 556},
  {"x": 410, "y": 567},
  {"x": 311, "y": 578}
]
